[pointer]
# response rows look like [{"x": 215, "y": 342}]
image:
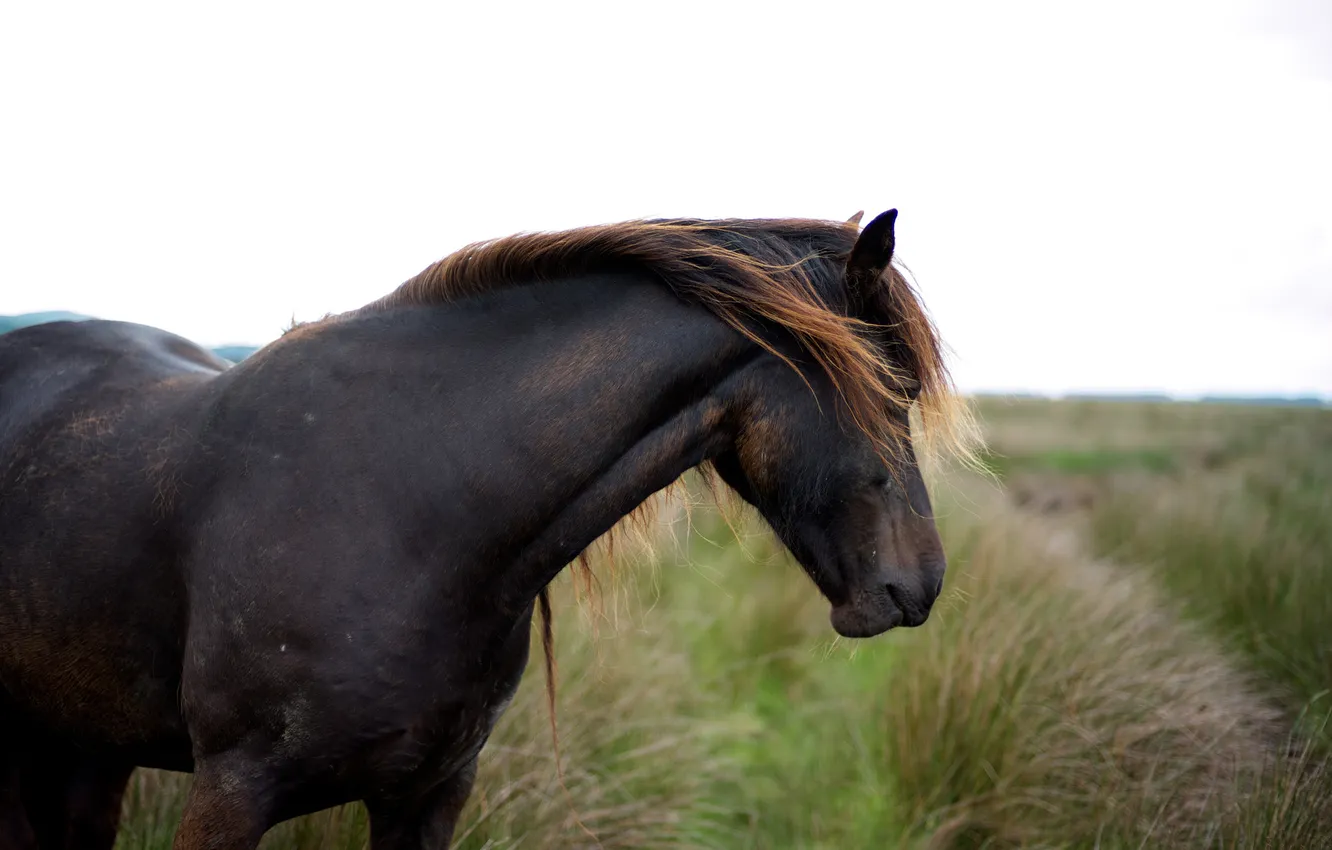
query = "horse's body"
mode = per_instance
[{"x": 310, "y": 578}]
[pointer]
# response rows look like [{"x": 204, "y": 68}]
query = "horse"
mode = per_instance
[{"x": 310, "y": 578}]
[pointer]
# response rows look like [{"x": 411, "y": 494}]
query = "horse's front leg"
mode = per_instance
[
  {"x": 424, "y": 824},
  {"x": 230, "y": 805}
]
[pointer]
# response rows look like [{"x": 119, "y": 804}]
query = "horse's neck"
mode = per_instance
[{"x": 555, "y": 410}]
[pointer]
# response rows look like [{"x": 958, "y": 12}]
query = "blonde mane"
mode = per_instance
[{"x": 884, "y": 358}]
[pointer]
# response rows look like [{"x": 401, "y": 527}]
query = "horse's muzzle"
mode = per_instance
[{"x": 901, "y": 601}]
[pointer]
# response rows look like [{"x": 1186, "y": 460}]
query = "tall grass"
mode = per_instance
[
  {"x": 1066, "y": 706},
  {"x": 1235, "y": 524},
  {"x": 1246, "y": 544}
]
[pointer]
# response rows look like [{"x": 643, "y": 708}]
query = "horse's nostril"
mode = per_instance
[
  {"x": 895, "y": 593},
  {"x": 914, "y": 596}
]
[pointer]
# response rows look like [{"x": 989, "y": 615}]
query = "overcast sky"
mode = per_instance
[{"x": 1115, "y": 195}]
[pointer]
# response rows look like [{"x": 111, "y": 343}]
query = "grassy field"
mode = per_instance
[{"x": 1134, "y": 650}]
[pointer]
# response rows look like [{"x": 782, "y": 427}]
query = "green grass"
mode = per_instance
[
  {"x": 1250, "y": 568},
  {"x": 1242, "y": 538},
  {"x": 1084, "y": 462},
  {"x": 1139, "y": 666}
]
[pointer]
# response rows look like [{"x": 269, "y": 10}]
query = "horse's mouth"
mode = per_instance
[{"x": 866, "y": 615}]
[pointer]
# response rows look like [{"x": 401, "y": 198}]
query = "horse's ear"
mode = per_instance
[
  {"x": 855, "y": 219},
  {"x": 874, "y": 249}
]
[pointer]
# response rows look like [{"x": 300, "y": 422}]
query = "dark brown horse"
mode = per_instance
[{"x": 310, "y": 578}]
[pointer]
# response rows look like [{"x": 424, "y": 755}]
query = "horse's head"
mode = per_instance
[{"x": 845, "y": 494}]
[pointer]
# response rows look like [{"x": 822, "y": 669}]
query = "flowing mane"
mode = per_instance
[{"x": 881, "y": 355}]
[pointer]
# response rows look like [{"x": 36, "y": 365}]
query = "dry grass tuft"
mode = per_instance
[{"x": 1066, "y": 705}]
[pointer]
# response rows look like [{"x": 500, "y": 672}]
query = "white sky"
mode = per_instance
[{"x": 1121, "y": 195}]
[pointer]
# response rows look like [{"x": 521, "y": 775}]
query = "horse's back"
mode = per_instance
[
  {"x": 95, "y": 421},
  {"x": 42, "y": 365}
]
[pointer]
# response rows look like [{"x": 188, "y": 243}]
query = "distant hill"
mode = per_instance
[
  {"x": 1278, "y": 401},
  {"x": 1165, "y": 398},
  {"x": 1153, "y": 397},
  {"x": 234, "y": 353}
]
